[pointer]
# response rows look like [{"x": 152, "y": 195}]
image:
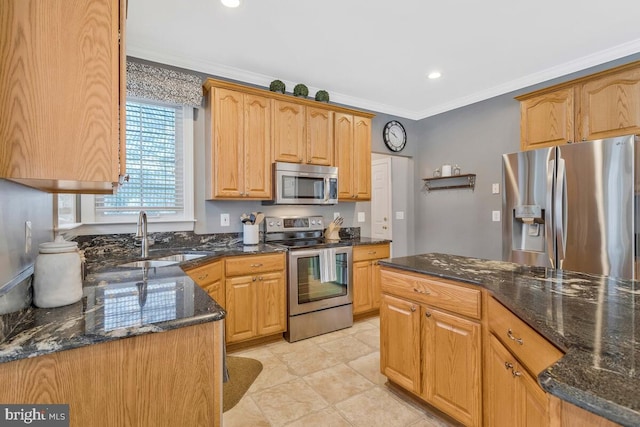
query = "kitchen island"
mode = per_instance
[
  {"x": 593, "y": 319},
  {"x": 167, "y": 371}
]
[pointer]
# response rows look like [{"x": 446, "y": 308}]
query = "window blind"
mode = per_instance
[{"x": 154, "y": 164}]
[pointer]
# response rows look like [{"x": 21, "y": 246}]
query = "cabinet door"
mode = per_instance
[
  {"x": 60, "y": 80},
  {"x": 362, "y": 287},
  {"x": 241, "y": 320},
  {"x": 452, "y": 363},
  {"x": 228, "y": 142},
  {"x": 319, "y": 136},
  {"x": 500, "y": 391},
  {"x": 343, "y": 131},
  {"x": 271, "y": 300},
  {"x": 610, "y": 106},
  {"x": 547, "y": 120},
  {"x": 362, "y": 158},
  {"x": 257, "y": 147},
  {"x": 400, "y": 342},
  {"x": 534, "y": 402},
  {"x": 288, "y": 132},
  {"x": 210, "y": 277}
]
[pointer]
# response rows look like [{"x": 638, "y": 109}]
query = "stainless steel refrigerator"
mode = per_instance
[{"x": 573, "y": 207}]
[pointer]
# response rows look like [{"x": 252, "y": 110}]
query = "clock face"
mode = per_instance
[{"x": 394, "y": 135}]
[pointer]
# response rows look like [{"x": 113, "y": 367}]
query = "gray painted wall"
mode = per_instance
[
  {"x": 17, "y": 205},
  {"x": 458, "y": 221}
]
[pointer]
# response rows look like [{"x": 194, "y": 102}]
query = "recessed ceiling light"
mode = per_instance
[
  {"x": 434, "y": 75},
  {"x": 231, "y": 3}
]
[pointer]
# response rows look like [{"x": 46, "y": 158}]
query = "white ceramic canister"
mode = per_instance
[
  {"x": 446, "y": 169},
  {"x": 251, "y": 234},
  {"x": 57, "y": 277}
]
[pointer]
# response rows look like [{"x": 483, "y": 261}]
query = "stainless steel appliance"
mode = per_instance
[
  {"x": 574, "y": 207},
  {"x": 320, "y": 274},
  {"x": 298, "y": 184}
]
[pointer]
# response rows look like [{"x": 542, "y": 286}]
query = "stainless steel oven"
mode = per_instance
[{"x": 320, "y": 293}]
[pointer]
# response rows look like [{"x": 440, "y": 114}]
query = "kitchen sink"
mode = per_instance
[
  {"x": 180, "y": 257},
  {"x": 148, "y": 263}
]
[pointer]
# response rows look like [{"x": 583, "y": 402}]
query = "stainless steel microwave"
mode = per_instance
[{"x": 299, "y": 184}]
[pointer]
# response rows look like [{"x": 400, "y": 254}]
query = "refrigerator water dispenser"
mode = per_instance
[{"x": 528, "y": 228}]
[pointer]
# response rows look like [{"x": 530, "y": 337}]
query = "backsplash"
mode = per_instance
[{"x": 127, "y": 246}]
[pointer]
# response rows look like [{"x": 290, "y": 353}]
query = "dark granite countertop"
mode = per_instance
[
  {"x": 594, "y": 319},
  {"x": 117, "y": 304}
]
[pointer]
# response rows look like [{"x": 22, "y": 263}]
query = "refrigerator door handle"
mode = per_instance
[
  {"x": 559, "y": 210},
  {"x": 548, "y": 225}
]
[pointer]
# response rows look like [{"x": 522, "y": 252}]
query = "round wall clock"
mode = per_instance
[{"x": 394, "y": 136}]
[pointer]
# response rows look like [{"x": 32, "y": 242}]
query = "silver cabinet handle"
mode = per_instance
[
  {"x": 512, "y": 338},
  {"x": 427, "y": 314},
  {"x": 256, "y": 265},
  {"x": 516, "y": 373},
  {"x": 253, "y": 279},
  {"x": 204, "y": 276},
  {"x": 508, "y": 365},
  {"x": 421, "y": 292},
  {"x": 413, "y": 308}
]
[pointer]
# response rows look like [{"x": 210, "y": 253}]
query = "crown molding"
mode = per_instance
[{"x": 151, "y": 53}]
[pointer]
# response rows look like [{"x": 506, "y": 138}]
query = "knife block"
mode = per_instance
[{"x": 332, "y": 232}]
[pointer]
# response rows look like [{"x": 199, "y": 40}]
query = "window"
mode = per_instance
[
  {"x": 159, "y": 164},
  {"x": 154, "y": 165}
]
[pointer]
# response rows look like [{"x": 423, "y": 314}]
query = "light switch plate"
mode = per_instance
[
  {"x": 336, "y": 215},
  {"x": 495, "y": 188},
  {"x": 361, "y": 217},
  {"x": 224, "y": 220},
  {"x": 400, "y": 215},
  {"x": 495, "y": 216}
]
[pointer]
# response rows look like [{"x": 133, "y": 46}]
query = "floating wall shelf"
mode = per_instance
[{"x": 455, "y": 181}]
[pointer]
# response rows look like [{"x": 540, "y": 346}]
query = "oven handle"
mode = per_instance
[{"x": 327, "y": 189}]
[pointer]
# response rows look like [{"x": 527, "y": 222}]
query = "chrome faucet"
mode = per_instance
[{"x": 142, "y": 233}]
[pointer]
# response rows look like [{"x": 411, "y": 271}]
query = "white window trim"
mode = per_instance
[{"x": 186, "y": 223}]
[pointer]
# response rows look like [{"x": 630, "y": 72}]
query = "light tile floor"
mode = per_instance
[{"x": 331, "y": 380}]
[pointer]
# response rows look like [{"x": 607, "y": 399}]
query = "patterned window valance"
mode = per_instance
[{"x": 161, "y": 84}]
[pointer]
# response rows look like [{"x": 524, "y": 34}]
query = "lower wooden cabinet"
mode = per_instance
[
  {"x": 451, "y": 370},
  {"x": 513, "y": 397},
  {"x": 366, "y": 276},
  {"x": 433, "y": 353},
  {"x": 255, "y": 289},
  {"x": 400, "y": 342},
  {"x": 210, "y": 277}
]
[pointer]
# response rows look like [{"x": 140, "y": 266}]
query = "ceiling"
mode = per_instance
[{"x": 375, "y": 55}]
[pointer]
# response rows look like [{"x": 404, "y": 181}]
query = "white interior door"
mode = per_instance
[{"x": 381, "y": 198}]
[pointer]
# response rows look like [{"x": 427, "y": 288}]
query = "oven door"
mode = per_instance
[{"x": 311, "y": 288}]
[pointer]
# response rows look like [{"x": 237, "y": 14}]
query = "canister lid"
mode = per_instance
[{"x": 59, "y": 245}]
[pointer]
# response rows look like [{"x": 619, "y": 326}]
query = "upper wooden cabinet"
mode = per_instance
[
  {"x": 602, "y": 105},
  {"x": 297, "y": 130},
  {"x": 239, "y": 128},
  {"x": 353, "y": 156},
  {"x": 319, "y": 147},
  {"x": 62, "y": 91}
]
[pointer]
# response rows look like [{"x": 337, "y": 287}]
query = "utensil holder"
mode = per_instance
[{"x": 250, "y": 234}]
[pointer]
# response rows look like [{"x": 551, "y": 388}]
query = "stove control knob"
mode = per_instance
[
  {"x": 313, "y": 222},
  {"x": 278, "y": 223},
  {"x": 319, "y": 222},
  {"x": 270, "y": 223}
]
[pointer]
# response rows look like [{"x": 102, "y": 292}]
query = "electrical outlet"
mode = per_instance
[
  {"x": 336, "y": 215},
  {"x": 224, "y": 220},
  {"x": 361, "y": 217},
  {"x": 495, "y": 188},
  {"x": 27, "y": 237},
  {"x": 495, "y": 216},
  {"x": 400, "y": 215}
]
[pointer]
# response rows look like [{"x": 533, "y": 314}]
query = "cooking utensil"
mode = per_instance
[{"x": 259, "y": 218}]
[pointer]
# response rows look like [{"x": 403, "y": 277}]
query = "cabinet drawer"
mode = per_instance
[
  {"x": 369, "y": 252},
  {"x": 533, "y": 350},
  {"x": 207, "y": 273},
  {"x": 441, "y": 293},
  {"x": 244, "y": 265}
]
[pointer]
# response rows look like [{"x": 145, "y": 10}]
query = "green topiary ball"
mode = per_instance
[
  {"x": 322, "y": 96},
  {"x": 277, "y": 86},
  {"x": 300, "y": 90}
]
